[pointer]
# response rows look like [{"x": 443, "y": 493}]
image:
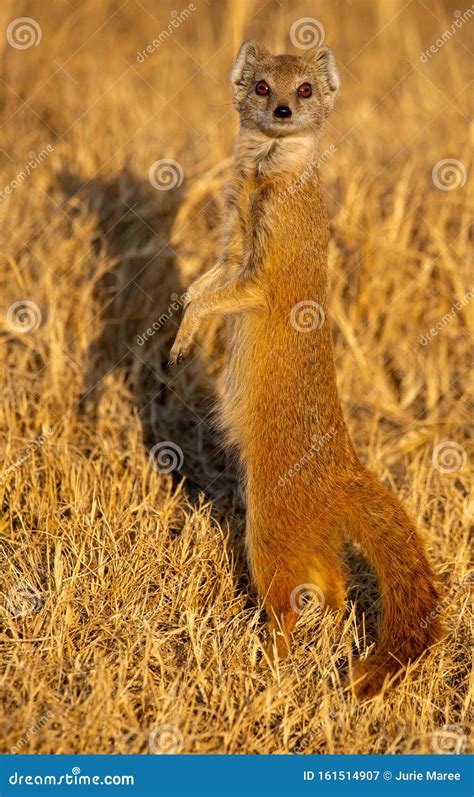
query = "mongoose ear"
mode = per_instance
[
  {"x": 324, "y": 60},
  {"x": 249, "y": 55}
]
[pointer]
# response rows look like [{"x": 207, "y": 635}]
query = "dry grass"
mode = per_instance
[{"x": 139, "y": 611}]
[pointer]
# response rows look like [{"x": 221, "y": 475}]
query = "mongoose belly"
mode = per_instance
[{"x": 275, "y": 407}]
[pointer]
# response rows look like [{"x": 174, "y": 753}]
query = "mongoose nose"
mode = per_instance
[{"x": 282, "y": 112}]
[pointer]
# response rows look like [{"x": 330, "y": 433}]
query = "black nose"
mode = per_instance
[{"x": 282, "y": 112}]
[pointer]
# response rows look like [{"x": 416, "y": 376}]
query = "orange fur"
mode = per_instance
[{"x": 281, "y": 393}]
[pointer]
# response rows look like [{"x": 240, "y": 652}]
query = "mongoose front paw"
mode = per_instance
[{"x": 177, "y": 355}]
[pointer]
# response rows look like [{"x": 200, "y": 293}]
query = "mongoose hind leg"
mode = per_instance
[
  {"x": 302, "y": 592},
  {"x": 280, "y": 626}
]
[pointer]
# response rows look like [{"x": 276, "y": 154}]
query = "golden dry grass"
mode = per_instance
[{"x": 126, "y": 598}]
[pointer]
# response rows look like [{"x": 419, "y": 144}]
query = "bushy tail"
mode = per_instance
[{"x": 409, "y": 622}]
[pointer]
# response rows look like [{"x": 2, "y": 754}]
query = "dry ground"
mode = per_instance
[{"x": 126, "y": 599}]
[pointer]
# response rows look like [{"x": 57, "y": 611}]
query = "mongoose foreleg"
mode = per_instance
[{"x": 235, "y": 297}]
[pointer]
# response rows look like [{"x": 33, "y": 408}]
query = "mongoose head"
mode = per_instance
[{"x": 284, "y": 95}]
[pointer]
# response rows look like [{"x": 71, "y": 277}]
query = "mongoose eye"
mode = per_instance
[
  {"x": 262, "y": 88},
  {"x": 305, "y": 90}
]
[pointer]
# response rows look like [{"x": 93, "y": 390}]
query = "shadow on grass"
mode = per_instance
[{"x": 138, "y": 293}]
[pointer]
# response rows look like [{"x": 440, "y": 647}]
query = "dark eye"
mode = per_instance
[
  {"x": 305, "y": 90},
  {"x": 262, "y": 88}
]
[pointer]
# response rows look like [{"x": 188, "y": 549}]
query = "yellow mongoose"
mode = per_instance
[{"x": 281, "y": 392}]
